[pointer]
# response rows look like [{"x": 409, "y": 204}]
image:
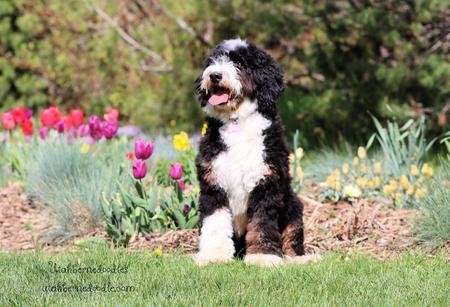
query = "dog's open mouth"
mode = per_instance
[{"x": 219, "y": 95}]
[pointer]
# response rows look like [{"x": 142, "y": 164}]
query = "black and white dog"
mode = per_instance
[{"x": 247, "y": 205}]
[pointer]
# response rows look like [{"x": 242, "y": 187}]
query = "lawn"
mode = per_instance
[{"x": 338, "y": 280}]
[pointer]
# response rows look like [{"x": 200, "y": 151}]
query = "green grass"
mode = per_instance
[{"x": 338, "y": 280}]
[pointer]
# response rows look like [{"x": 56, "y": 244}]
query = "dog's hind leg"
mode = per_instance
[{"x": 292, "y": 234}]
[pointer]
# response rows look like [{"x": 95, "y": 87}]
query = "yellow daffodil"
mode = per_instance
[
  {"x": 420, "y": 193},
  {"x": 352, "y": 191},
  {"x": 404, "y": 182},
  {"x": 172, "y": 122},
  {"x": 345, "y": 168},
  {"x": 355, "y": 161},
  {"x": 387, "y": 190},
  {"x": 204, "y": 128},
  {"x": 336, "y": 173},
  {"x": 333, "y": 183},
  {"x": 414, "y": 170},
  {"x": 361, "y": 152},
  {"x": 181, "y": 141},
  {"x": 291, "y": 158},
  {"x": 362, "y": 182},
  {"x": 427, "y": 170},
  {"x": 299, "y": 153},
  {"x": 377, "y": 181},
  {"x": 410, "y": 190},
  {"x": 397, "y": 197},
  {"x": 377, "y": 168},
  {"x": 371, "y": 184},
  {"x": 158, "y": 252},
  {"x": 363, "y": 168},
  {"x": 85, "y": 148},
  {"x": 393, "y": 185}
]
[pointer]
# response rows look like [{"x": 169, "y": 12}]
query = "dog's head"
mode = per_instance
[{"x": 234, "y": 71}]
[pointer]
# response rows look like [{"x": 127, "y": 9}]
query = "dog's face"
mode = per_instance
[{"x": 234, "y": 71}]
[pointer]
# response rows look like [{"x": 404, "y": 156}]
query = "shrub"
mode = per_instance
[
  {"x": 433, "y": 222},
  {"x": 69, "y": 179}
]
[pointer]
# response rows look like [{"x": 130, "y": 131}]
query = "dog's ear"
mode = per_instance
[
  {"x": 268, "y": 79},
  {"x": 199, "y": 93}
]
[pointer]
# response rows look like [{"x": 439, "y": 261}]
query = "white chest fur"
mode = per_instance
[{"x": 239, "y": 168}]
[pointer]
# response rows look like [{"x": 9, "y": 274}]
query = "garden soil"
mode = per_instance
[{"x": 367, "y": 226}]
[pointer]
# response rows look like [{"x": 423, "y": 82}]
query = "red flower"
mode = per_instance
[
  {"x": 27, "y": 127},
  {"x": 8, "y": 121},
  {"x": 50, "y": 116},
  {"x": 76, "y": 117},
  {"x": 19, "y": 115},
  {"x": 130, "y": 156},
  {"x": 112, "y": 114}
]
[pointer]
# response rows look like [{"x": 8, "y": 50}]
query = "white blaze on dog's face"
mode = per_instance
[{"x": 236, "y": 71}]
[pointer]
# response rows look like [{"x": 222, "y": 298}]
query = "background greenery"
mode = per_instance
[{"x": 342, "y": 59}]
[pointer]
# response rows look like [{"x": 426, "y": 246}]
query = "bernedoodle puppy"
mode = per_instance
[{"x": 247, "y": 205}]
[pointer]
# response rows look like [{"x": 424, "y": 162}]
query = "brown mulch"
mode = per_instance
[
  {"x": 367, "y": 226},
  {"x": 21, "y": 221}
]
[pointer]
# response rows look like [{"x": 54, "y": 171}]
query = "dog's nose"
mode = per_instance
[{"x": 215, "y": 77}]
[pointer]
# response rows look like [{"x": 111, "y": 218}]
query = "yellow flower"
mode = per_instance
[
  {"x": 377, "y": 181},
  {"x": 371, "y": 184},
  {"x": 361, "y": 152},
  {"x": 352, "y": 191},
  {"x": 397, "y": 197},
  {"x": 393, "y": 185},
  {"x": 420, "y": 193},
  {"x": 85, "y": 148},
  {"x": 204, "y": 128},
  {"x": 362, "y": 182},
  {"x": 404, "y": 182},
  {"x": 414, "y": 170},
  {"x": 181, "y": 141},
  {"x": 377, "y": 168},
  {"x": 427, "y": 170},
  {"x": 299, "y": 153},
  {"x": 363, "y": 168},
  {"x": 336, "y": 174},
  {"x": 345, "y": 168},
  {"x": 355, "y": 161},
  {"x": 172, "y": 122},
  {"x": 333, "y": 183},
  {"x": 158, "y": 252},
  {"x": 387, "y": 190},
  {"x": 410, "y": 190},
  {"x": 299, "y": 172},
  {"x": 291, "y": 158}
]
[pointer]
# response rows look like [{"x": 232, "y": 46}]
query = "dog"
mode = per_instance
[{"x": 247, "y": 206}]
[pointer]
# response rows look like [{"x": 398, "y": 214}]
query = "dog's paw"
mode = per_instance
[
  {"x": 263, "y": 260},
  {"x": 203, "y": 259},
  {"x": 306, "y": 259}
]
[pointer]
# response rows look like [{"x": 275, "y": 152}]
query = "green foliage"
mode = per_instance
[
  {"x": 402, "y": 146},
  {"x": 433, "y": 217},
  {"x": 69, "y": 181},
  {"x": 126, "y": 214},
  {"x": 341, "y": 58},
  {"x": 4, "y": 166}
]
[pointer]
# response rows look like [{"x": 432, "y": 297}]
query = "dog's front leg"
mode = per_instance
[
  {"x": 263, "y": 238},
  {"x": 216, "y": 232}
]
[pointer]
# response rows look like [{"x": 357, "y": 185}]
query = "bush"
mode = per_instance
[
  {"x": 433, "y": 222},
  {"x": 70, "y": 177}
]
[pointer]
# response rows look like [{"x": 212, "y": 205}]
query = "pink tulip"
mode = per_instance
[
  {"x": 143, "y": 150},
  {"x": 139, "y": 169},
  {"x": 176, "y": 171},
  {"x": 109, "y": 128},
  {"x": 43, "y": 132},
  {"x": 83, "y": 130},
  {"x": 8, "y": 121},
  {"x": 182, "y": 185}
]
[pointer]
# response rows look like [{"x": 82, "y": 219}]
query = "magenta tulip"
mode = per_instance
[
  {"x": 186, "y": 209},
  {"x": 109, "y": 128},
  {"x": 176, "y": 171},
  {"x": 143, "y": 150},
  {"x": 181, "y": 184},
  {"x": 43, "y": 132},
  {"x": 139, "y": 169},
  {"x": 95, "y": 129},
  {"x": 83, "y": 130},
  {"x": 28, "y": 113},
  {"x": 59, "y": 126}
]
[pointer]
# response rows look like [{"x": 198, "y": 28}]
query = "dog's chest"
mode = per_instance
[{"x": 239, "y": 168}]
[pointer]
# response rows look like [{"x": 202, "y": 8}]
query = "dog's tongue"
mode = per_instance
[{"x": 218, "y": 99}]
